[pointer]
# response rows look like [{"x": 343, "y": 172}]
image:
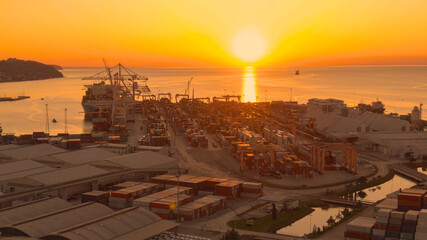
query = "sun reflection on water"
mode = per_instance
[{"x": 249, "y": 90}]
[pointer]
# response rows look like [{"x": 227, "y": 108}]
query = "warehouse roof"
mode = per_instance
[
  {"x": 64, "y": 175},
  {"x": 23, "y": 168},
  {"x": 31, "y": 151},
  {"x": 146, "y": 160},
  {"x": 31, "y": 209},
  {"x": 8, "y": 146},
  {"x": 122, "y": 224},
  {"x": 56, "y": 221},
  {"x": 85, "y": 156}
]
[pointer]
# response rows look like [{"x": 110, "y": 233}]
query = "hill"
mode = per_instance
[{"x": 14, "y": 70}]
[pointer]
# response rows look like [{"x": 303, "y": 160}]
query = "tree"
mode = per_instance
[
  {"x": 274, "y": 212},
  {"x": 363, "y": 180},
  {"x": 339, "y": 215},
  {"x": 231, "y": 234},
  {"x": 330, "y": 221},
  {"x": 362, "y": 194},
  {"x": 345, "y": 212}
]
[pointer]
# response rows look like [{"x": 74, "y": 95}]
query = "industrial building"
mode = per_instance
[
  {"x": 51, "y": 171},
  {"x": 53, "y": 218},
  {"x": 401, "y": 145},
  {"x": 341, "y": 124}
]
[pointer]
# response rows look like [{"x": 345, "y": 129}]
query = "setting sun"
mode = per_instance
[{"x": 249, "y": 45}]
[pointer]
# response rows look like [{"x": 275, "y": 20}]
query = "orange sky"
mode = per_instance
[{"x": 201, "y": 33}]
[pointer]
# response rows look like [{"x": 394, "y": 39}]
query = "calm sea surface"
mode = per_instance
[{"x": 400, "y": 88}]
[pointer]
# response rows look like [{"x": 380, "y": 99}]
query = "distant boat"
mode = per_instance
[
  {"x": 42, "y": 98},
  {"x": 297, "y": 72},
  {"x": 54, "y": 120}
]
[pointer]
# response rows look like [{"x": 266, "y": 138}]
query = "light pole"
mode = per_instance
[{"x": 178, "y": 174}]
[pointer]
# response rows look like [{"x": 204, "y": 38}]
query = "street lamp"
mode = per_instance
[{"x": 178, "y": 174}]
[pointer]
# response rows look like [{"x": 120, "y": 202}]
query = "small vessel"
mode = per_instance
[
  {"x": 54, "y": 120},
  {"x": 297, "y": 72}
]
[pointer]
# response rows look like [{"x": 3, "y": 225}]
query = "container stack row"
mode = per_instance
[
  {"x": 421, "y": 230},
  {"x": 96, "y": 196},
  {"x": 251, "y": 190},
  {"x": 409, "y": 225},
  {"x": 395, "y": 224},
  {"x": 164, "y": 207},
  {"x": 231, "y": 189},
  {"x": 381, "y": 223},
  {"x": 360, "y": 228},
  {"x": 412, "y": 199},
  {"x": 202, "y": 207},
  {"x": 123, "y": 197}
]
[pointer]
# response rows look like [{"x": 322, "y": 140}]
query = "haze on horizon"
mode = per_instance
[{"x": 215, "y": 32}]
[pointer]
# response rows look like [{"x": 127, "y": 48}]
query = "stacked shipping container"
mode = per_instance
[
  {"x": 231, "y": 189},
  {"x": 360, "y": 228},
  {"x": 96, "y": 196},
  {"x": 251, "y": 190},
  {"x": 409, "y": 225},
  {"x": 421, "y": 230},
  {"x": 202, "y": 207},
  {"x": 395, "y": 224},
  {"x": 381, "y": 223}
]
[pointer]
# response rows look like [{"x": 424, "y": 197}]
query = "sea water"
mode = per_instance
[{"x": 400, "y": 88}]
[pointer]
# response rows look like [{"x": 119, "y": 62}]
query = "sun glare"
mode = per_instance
[{"x": 249, "y": 45}]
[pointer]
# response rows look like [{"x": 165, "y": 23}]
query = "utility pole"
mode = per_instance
[
  {"x": 291, "y": 95},
  {"x": 178, "y": 174},
  {"x": 66, "y": 127},
  {"x": 47, "y": 120},
  {"x": 265, "y": 100}
]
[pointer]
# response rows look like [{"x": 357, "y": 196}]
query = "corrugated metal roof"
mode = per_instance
[
  {"x": 146, "y": 160},
  {"x": 67, "y": 174},
  {"x": 32, "y": 151},
  {"x": 85, "y": 156},
  {"x": 118, "y": 225},
  {"x": 18, "y": 169},
  {"x": 32, "y": 209},
  {"x": 56, "y": 221}
]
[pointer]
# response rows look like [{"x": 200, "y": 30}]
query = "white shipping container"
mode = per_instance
[
  {"x": 423, "y": 214},
  {"x": 361, "y": 224},
  {"x": 412, "y": 215},
  {"x": 384, "y": 212},
  {"x": 378, "y": 232},
  {"x": 397, "y": 214},
  {"x": 382, "y": 220},
  {"x": 420, "y": 236}
]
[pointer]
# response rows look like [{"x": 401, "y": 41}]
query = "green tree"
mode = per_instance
[
  {"x": 362, "y": 194},
  {"x": 231, "y": 234},
  {"x": 330, "y": 221},
  {"x": 363, "y": 180},
  {"x": 346, "y": 212}
]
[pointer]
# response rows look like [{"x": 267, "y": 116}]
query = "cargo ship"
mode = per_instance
[{"x": 107, "y": 101}]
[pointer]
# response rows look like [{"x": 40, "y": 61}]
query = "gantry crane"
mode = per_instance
[
  {"x": 318, "y": 155},
  {"x": 126, "y": 87}
]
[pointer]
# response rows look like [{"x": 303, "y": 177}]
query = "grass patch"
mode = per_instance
[
  {"x": 284, "y": 218},
  {"x": 416, "y": 165},
  {"x": 362, "y": 186},
  {"x": 252, "y": 208},
  {"x": 350, "y": 215}
]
